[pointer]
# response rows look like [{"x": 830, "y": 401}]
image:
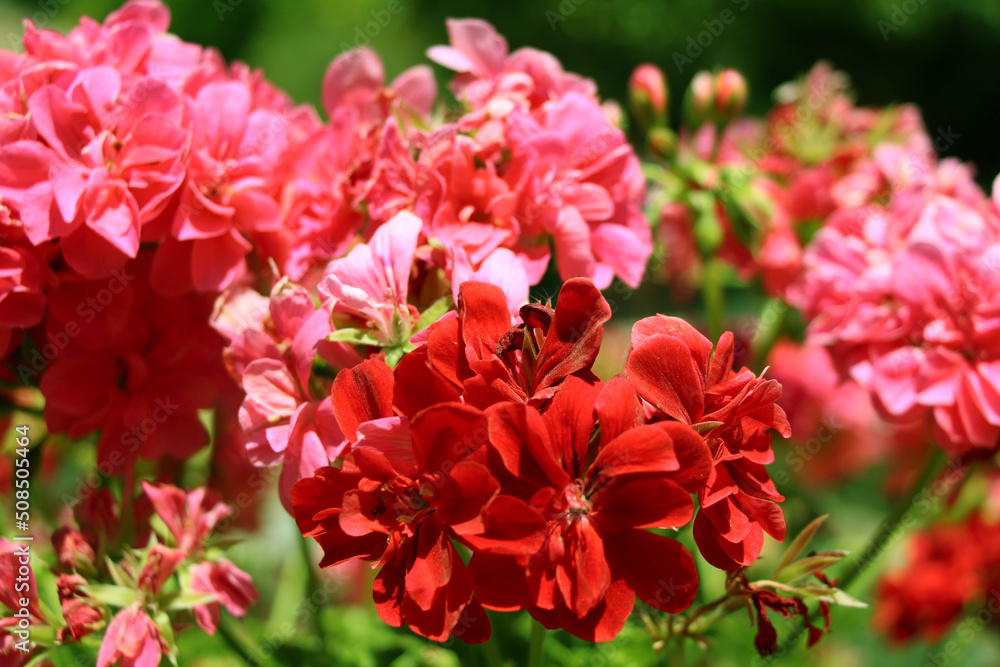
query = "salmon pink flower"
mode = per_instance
[
  {"x": 103, "y": 166},
  {"x": 494, "y": 81},
  {"x": 189, "y": 516},
  {"x": 581, "y": 184}
]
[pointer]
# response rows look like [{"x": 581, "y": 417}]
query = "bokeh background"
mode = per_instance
[{"x": 940, "y": 55}]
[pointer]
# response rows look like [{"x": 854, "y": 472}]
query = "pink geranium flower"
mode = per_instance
[
  {"x": 372, "y": 282},
  {"x": 240, "y": 149},
  {"x": 582, "y": 185},
  {"x": 232, "y": 587},
  {"x": 493, "y": 81},
  {"x": 99, "y": 163},
  {"x": 133, "y": 638},
  {"x": 904, "y": 294}
]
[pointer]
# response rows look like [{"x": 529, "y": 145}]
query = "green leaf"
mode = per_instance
[
  {"x": 845, "y": 600},
  {"x": 189, "y": 600},
  {"x": 394, "y": 354},
  {"x": 353, "y": 336},
  {"x": 48, "y": 592},
  {"x": 167, "y": 631},
  {"x": 706, "y": 427},
  {"x": 116, "y": 596},
  {"x": 798, "y": 545},
  {"x": 433, "y": 313},
  {"x": 806, "y": 566}
]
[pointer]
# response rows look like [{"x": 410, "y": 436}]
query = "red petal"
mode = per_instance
[
  {"x": 361, "y": 394},
  {"x": 666, "y": 374},
  {"x": 419, "y": 385},
  {"x": 643, "y": 503},
  {"x": 484, "y": 316},
  {"x": 660, "y": 570},
  {"x": 569, "y": 418},
  {"x": 461, "y": 500},
  {"x": 519, "y": 435},
  {"x": 602, "y": 624},
  {"x": 445, "y": 434},
  {"x": 574, "y": 338},
  {"x": 618, "y": 408}
]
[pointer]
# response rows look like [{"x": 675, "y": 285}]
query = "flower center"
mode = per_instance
[{"x": 576, "y": 499}]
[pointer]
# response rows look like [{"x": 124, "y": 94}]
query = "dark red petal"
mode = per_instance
[
  {"x": 445, "y": 434},
  {"x": 574, "y": 338},
  {"x": 602, "y": 624},
  {"x": 701, "y": 347},
  {"x": 642, "y": 503},
  {"x": 722, "y": 361},
  {"x": 766, "y": 513},
  {"x": 666, "y": 448},
  {"x": 500, "y": 581},
  {"x": 387, "y": 592},
  {"x": 660, "y": 570},
  {"x": 512, "y": 526},
  {"x": 519, "y": 435},
  {"x": 484, "y": 318},
  {"x": 618, "y": 408},
  {"x": 361, "y": 394},
  {"x": 570, "y": 420},
  {"x": 420, "y": 386},
  {"x": 432, "y": 565},
  {"x": 316, "y": 506},
  {"x": 445, "y": 352},
  {"x": 462, "y": 498},
  {"x": 666, "y": 374},
  {"x": 721, "y": 553},
  {"x": 491, "y": 383},
  {"x": 584, "y": 576},
  {"x": 473, "y": 625}
]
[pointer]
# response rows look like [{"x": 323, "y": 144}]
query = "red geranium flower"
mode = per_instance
[
  {"x": 406, "y": 488},
  {"x": 595, "y": 488},
  {"x": 674, "y": 368},
  {"x": 489, "y": 361}
]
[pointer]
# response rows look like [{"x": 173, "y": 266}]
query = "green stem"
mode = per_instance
[
  {"x": 491, "y": 652},
  {"x": 536, "y": 649},
  {"x": 772, "y": 319},
  {"x": 312, "y": 584},
  {"x": 715, "y": 297},
  {"x": 244, "y": 644},
  {"x": 882, "y": 537}
]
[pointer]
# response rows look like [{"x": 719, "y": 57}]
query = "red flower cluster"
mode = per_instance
[
  {"x": 501, "y": 440},
  {"x": 953, "y": 567}
]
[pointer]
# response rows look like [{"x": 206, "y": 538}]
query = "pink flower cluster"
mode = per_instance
[{"x": 901, "y": 284}]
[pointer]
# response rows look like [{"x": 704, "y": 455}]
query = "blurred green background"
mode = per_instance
[{"x": 937, "y": 54}]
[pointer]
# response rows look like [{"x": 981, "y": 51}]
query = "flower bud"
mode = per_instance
[
  {"x": 730, "y": 95},
  {"x": 717, "y": 98},
  {"x": 647, "y": 96},
  {"x": 698, "y": 102},
  {"x": 662, "y": 142}
]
